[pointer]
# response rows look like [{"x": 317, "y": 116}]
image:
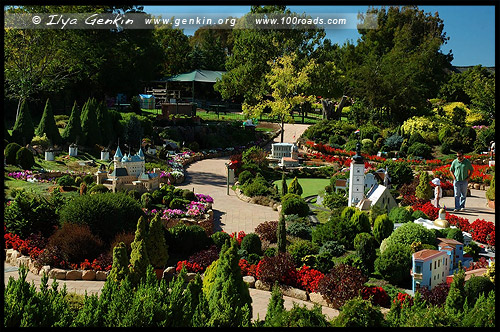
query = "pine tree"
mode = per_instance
[
  {"x": 424, "y": 190},
  {"x": 284, "y": 187},
  {"x": 104, "y": 123},
  {"x": 281, "y": 234},
  {"x": 48, "y": 126},
  {"x": 456, "y": 295},
  {"x": 73, "y": 131},
  {"x": 139, "y": 258},
  {"x": 157, "y": 247},
  {"x": 91, "y": 134},
  {"x": 229, "y": 301},
  {"x": 295, "y": 187},
  {"x": 23, "y": 130},
  {"x": 120, "y": 268},
  {"x": 275, "y": 308}
]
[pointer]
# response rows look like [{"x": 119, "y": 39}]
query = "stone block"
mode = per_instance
[
  {"x": 45, "y": 269},
  {"x": 295, "y": 293},
  {"x": 317, "y": 298},
  {"x": 58, "y": 274},
  {"x": 101, "y": 276},
  {"x": 74, "y": 275},
  {"x": 88, "y": 275},
  {"x": 23, "y": 260},
  {"x": 262, "y": 286},
  {"x": 250, "y": 281}
]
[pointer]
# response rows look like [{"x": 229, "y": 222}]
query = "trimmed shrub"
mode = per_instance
[
  {"x": 476, "y": 286},
  {"x": 295, "y": 187},
  {"x": 382, "y": 228},
  {"x": 120, "y": 267},
  {"x": 400, "y": 214},
  {"x": 184, "y": 240},
  {"x": 219, "y": 238},
  {"x": 424, "y": 189},
  {"x": 365, "y": 246},
  {"x": 300, "y": 249},
  {"x": 10, "y": 153},
  {"x": 66, "y": 181},
  {"x": 394, "y": 263},
  {"x": 267, "y": 230},
  {"x": 252, "y": 244},
  {"x": 294, "y": 204},
  {"x": 23, "y": 130},
  {"x": 411, "y": 232},
  {"x": 244, "y": 177},
  {"x": 299, "y": 229},
  {"x": 156, "y": 244},
  {"x": 359, "y": 313},
  {"x": 419, "y": 214},
  {"x": 257, "y": 187},
  {"x": 25, "y": 158}
]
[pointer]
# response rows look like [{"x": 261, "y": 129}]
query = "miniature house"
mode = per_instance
[
  {"x": 429, "y": 268},
  {"x": 378, "y": 195},
  {"x": 279, "y": 150}
]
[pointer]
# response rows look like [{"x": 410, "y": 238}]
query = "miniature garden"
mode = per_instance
[{"x": 155, "y": 247}]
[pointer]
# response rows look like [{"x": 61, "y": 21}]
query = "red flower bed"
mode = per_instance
[
  {"x": 239, "y": 237},
  {"x": 480, "y": 229},
  {"x": 190, "y": 266},
  {"x": 308, "y": 279},
  {"x": 404, "y": 299},
  {"x": 377, "y": 295},
  {"x": 247, "y": 269}
]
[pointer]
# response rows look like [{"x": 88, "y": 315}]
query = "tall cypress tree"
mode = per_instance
[
  {"x": 120, "y": 263},
  {"x": 229, "y": 300},
  {"x": 456, "y": 295},
  {"x": 104, "y": 123},
  {"x": 23, "y": 130},
  {"x": 275, "y": 308},
  {"x": 281, "y": 233},
  {"x": 157, "y": 247},
  {"x": 284, "y": 187},
  {"x": 139, "y": 258},
  {"x": 73, "y": 131},
  {"x": 48, "y": 126},
  {"x": 91, "y": 134}
]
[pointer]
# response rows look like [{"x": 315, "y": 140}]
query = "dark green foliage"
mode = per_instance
[
  {"x": 400, "y": 173},
  {"x": 185, "y": 240},
  {"x": 419, "y": 214},
  {"x": 256, "y": 187},
  {"x": 333, "y": 248},
  {"x": 299, "y": 229},
  {"x": 156, "y": 244},
  {"x": 455, "y": 234},
  {"x": 325, "y": 232},
  {"x": 146, "y": 200},
  {"x": 178, "y": 203},
  {"x": 411, "y": 232},
  {"x": 400, "y": 214},
  {"x": 30, "y": 213},
  {"x": 24, "y": 158},
  {"x": 281, "y": 234},
  {"x": 105, "y": 124},
  {"x": 483, "y": 312},
  {"x": 335, "y": 200},
  {"x": 244, "y": 177},
  {"x": 284, "y": 187},
  {"x": 382, "y": 228},
  {"x": 139, "y": 258},
  {"x": 107, "y": 214},
  {"x": 91, "y": 133},
  {"x": 23, "y": 130},
  {"x": 294, "y": 204},
  {"x": 359, "y": 313},
  {"x": 301, "y": 316},
  {"x": 48, "y": 126},
  {"x": 275, "y": 308},
  {"x": 24, "y": 306},
  {"x": 252, "y": 244},
  {"x": 99, "y": 189},
  {"x": 348, "y": 212},
  {"x": 120, "y": 268},
  {"x": 219, "y": 238},
  {"x": 66, "y": 181},
  {"x": 394, "y": 263},
  {"x": 73, "y": 131},
  {"x": 229, "y": 301},
  {"x": 10, "y": 153},
  {"x": 365, "y": 246},
  {"x": 476, "y": 286},
  {"x": 300, "y": 249}
]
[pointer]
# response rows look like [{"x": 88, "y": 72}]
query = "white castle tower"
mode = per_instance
[{"x": 356, "y": 178}]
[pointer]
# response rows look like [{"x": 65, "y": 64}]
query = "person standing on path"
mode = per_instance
[{"x": 461, "y": 170}]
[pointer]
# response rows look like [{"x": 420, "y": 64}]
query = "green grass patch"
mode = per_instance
[
  {"x": 310, "y": 186},
  {"x": 322, "y": 216}
]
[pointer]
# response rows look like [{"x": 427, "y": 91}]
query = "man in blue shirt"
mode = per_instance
[{"x": 461, "y": 170}]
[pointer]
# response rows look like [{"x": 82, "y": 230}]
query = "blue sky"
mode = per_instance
[{"x": 471, "y": 28}]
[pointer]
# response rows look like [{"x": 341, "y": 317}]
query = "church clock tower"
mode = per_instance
[{"x": 357, "y": 178}]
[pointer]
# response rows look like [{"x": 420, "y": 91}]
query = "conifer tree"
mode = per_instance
[
  {"x": 91, "y": 134},
  {"x": 23, "y": 130},
  {"x": 284, "y": 187},
  {"x": 105, "y": 124},
  {"x": 157, "y": 246},
  {"x": 295, "y": 187},
  {"x": 120, "y": 268},
  {"x": 229, "y": 301},
  {"x": 281, "y": 233},
  {"x": 424, "y": 190},
  {"x": 275, "y": 308},
  {"x": 48, "y": 126},
  {"x": 73, "y": 131},
  {"x": 456, "y": 295},
  {"x": 139, "y": 258}
]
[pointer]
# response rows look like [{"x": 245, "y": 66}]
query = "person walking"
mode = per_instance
[
  {"x": 492, "y": 150},
  {"x": 461, "y": 170},
  {"x": 438, "y": 191}
]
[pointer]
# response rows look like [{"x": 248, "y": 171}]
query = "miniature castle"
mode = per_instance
[{"x": 129, "y": 173}]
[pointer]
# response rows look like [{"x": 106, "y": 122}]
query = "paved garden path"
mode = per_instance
[{"x": 209, "y": 176}]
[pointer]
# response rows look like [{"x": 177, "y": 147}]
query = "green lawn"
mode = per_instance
[{"x": 310, "y": 186}]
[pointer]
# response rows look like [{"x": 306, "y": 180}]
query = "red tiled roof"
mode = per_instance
[{"x": 426, "y": 253}]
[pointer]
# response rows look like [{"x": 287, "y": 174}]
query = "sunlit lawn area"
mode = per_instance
[{"x": 310, "y": 187}]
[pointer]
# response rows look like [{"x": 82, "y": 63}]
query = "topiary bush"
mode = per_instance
[
  {"x": 294, "y": 204},
  {"x": 219, "y": 238},
  {"x": 382, "y": 228},
  {"x": 476, "y": 286},
  {"x": 300, "y": 249},
  {"x": 424, "y": 190},
  {"x": 252, "y": 244},
  {"x": 25, "y": 158},
  {"x": 295, "y": 187},
  {"x": 66, "y": 181},
  {"x": 400, "y": 214},
  {"x": 244, "y": 177},
  {"x": 256, "y": 187},
  {"x": 394, "y": 263},
  {"x": 359, "y": 313},
  {"x": 10, "y": 152},
  {"x": 299, "y": 229}
]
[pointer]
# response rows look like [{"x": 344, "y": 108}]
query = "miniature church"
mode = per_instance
[
  {"x": 129, "y": 174},
  {"x": 377, "y": 194}
]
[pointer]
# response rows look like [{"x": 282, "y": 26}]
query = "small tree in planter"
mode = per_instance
[{"x": 156, "y": 245}]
